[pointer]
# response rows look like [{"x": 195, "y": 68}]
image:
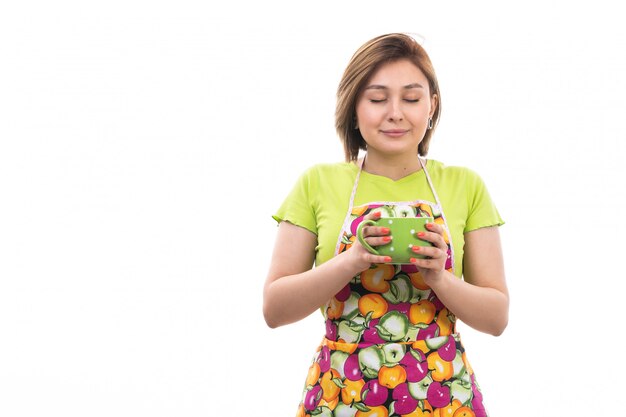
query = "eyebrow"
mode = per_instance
[{"x": 382, "y": 87}]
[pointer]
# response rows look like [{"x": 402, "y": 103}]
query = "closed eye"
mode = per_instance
[{"x": 384, "y": 99}]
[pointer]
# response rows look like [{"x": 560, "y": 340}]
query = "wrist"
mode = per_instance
[
  {"x": 347, "y": 265},
  {"x": 439, "y": 281}
]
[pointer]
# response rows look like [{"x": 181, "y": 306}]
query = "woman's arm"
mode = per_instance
[
  {"x": 293, "y": 290},
  {"x": 481, "y": 300}
]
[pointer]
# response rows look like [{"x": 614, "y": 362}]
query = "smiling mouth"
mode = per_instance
[{"x": 394, "y": 132}]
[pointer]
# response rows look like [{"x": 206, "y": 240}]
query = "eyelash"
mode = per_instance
[{"x": 381, "y": 101}]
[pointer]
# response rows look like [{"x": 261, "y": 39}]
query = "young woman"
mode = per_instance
[{"x": 390, "y": 346}]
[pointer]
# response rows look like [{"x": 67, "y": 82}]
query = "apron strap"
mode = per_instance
[
  {"x": 350, "y": 205},
  {"x": 430, "y": 183}
]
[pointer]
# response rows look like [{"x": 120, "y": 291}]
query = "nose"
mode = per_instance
[{"x": 395, "y": 110}]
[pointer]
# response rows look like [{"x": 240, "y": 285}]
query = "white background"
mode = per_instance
[{"x": 145, "y": 145}]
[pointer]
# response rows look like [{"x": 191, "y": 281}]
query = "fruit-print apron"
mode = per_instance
[{"x": 390, "y": 346}]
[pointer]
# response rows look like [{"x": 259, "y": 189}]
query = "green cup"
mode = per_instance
[{"x": 403, "y": 232}]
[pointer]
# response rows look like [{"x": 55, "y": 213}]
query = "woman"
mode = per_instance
[{"x": 390, "y": 345}]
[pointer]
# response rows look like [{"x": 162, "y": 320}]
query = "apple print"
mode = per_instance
[
  {"x": 312, "y": 398},
  {"x": 429, "y": 332},
  {"x": 405, "y": 403},
  {"x": 345, "y": 410},
  {"x": 435, "y": 343},
  {"x": 409, "y": 268},
  {"x": 354, "y": 225},
  {"x": 458, "y": 367},
  {"x": 373, "y": 393},
  {"x": 419, "y": 390},
  {"x": 437, "y": 302},
  {"x": 422, "y": 213},
  {"x": 385, "y": 212},
  {"x": 415, "y": 365},
  {"x": 411, "y": 334},
  {"x": 370, "y": 360},
  {"x": 477, "y": 401},
  {"x": 351, "y": 306},
  {"x": 461, "y": 390},
  {"x": 370, "y": 334},
  {"x": 438, "y": 395},
  {"x": 447, "y": 352},
  {"x": 400, "y": 289},
  {"x": 394, "y": 352},
  {"x": 323, "y": 359},
  {"x": 344, "y": 293},
  {"x": 404, "y": 211},
  {"x": 351, "y": 368},
  {"x": 419, "y": 295},
  {"x": 338, "y": 360},
  {"x": 393, "y": 326},
  {"x": 331, "y": 330},
  {"x": 347, "y": 333},
  {"x": 323, "y": 412},
  {"x": 403, "y": 308}
]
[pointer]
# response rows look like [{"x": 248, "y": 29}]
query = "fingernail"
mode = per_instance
[
  {"x": 386, "y": 238},
  {"x": 385, "y": 230},
  {"x": 421, "y": 234},
  {"x": 387, "y": 258},
  {"x": 377, "y": 214},
  {"x": 429, "y": 225},
  {"x": 412, "y": 260},
  {"x": 416, "y": 248}
]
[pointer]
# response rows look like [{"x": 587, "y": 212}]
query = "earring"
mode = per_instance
[{"x": 430, "y": 123}]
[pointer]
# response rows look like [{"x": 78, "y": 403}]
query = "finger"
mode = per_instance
[
  {"x": 378, "y": 240},
  {"x": 372, "y": 215},
  {"x": 375, "y": 231},
  {"x": 434, "y": 227},
  {"x": 430, "y": 251},
  {"x": 427, "y": 263},
  {"x": 376, "y": 259},
  {"x": 434, "y": 238}
]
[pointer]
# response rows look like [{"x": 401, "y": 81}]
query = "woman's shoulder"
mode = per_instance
[
  {"x": 440, "y": 168},
  {"x": 456, "y": 177},
  {"x": 453, "y": 175},
  {"x": 331, "y": 170}
]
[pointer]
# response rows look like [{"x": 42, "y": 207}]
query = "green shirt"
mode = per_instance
[{"x": 319, "y": 201}]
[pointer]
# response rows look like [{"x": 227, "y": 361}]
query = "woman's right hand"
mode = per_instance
[{"x": 358, "y": 256}]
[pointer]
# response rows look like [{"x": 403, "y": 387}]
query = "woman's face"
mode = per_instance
[{"x": 394, "y": 107}]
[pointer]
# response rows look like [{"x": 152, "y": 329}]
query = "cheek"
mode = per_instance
[
  {"x": 368, "y": 116},
  {"x": 420, "y": 117}
]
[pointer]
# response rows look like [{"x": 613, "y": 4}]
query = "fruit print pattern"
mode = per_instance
[{"x": 390, "y": 347}]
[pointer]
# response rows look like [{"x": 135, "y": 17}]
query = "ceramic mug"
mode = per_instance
[{"x": 403, "y": 232}]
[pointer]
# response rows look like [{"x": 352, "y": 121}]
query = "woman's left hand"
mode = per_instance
[{"x": 433, "y": 265}]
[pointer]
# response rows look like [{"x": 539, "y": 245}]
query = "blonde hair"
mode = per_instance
[{"x": 364, "y": 63}]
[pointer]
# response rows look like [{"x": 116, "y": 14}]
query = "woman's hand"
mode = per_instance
[
  {"x": 434, "y": 265},
  {"x": 359, "y": 257}
]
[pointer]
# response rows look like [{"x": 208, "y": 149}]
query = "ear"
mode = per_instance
[{"x": 434, "y": 102}]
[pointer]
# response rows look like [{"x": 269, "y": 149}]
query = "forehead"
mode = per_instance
[{"x": 398, "y": 73}]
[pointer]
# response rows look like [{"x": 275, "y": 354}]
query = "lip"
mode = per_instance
[{"x": 395, "y": 133}]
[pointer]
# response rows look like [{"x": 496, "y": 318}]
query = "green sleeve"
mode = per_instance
[
  {"x": 482, "y": 211},
  {"x": 298, "y": 207}
]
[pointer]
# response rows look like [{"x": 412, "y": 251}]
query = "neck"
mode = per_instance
[{"x": 394, "y": 167}]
